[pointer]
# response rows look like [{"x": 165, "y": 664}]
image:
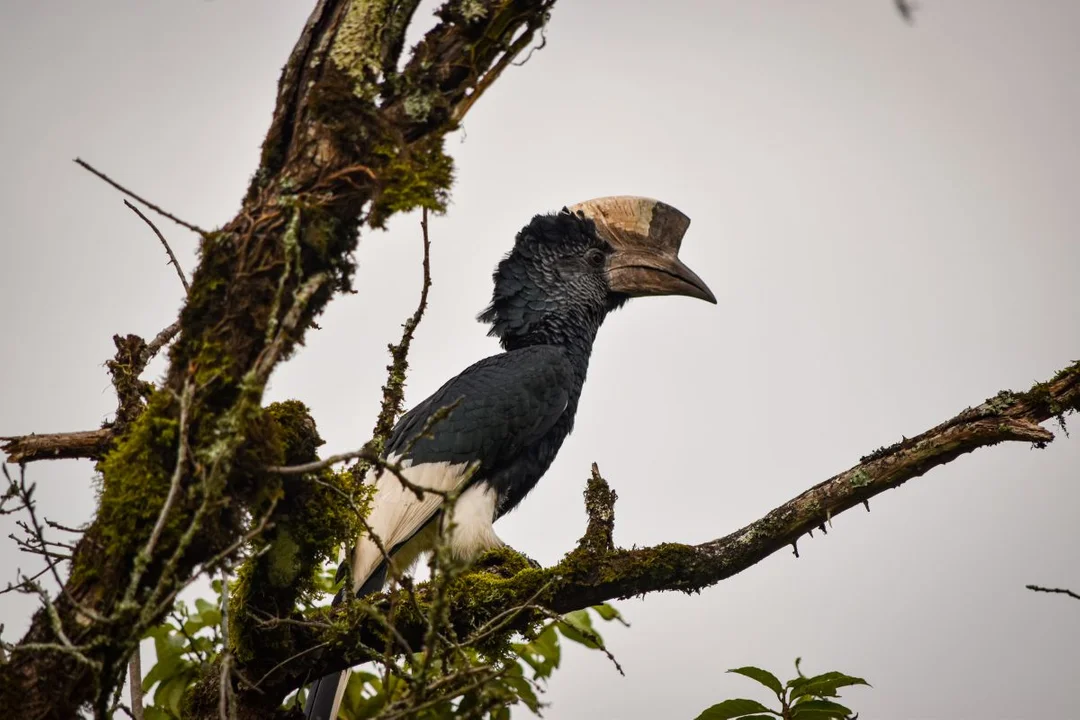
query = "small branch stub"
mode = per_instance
[{"x": 600, "y": 507}]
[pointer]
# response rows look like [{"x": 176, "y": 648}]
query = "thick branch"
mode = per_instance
[
  {"x": 350, "y": 136},
  {"x": 595, "y": 573}
]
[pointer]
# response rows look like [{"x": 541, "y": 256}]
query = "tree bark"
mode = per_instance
[{"x": 350, "y": 138}]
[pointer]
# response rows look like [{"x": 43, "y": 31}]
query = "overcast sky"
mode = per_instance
[{"x": 886, "y": 213}]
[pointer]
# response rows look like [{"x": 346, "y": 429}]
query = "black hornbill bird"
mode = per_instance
[{"x": 566, "y": 272}]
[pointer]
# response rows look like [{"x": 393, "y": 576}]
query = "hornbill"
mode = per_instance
[{"x": 513, "y": 410}]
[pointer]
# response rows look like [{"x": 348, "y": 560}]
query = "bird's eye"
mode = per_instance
[{"x": 595, "y": 257}]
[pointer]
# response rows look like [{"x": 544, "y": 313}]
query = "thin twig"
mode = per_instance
[
  {"x": 135, "y": 681},
  {"x": 541, "y": 46},
  {"x": 160, "y": 340},
  {"x": 172, "y": 257},
  {"x": 317, "y": 465},
  {"x": 288, "y": 660},
  {"x": 25, "y": 584},
  {"x": 394, "y": 389},
  {"x": 1060, "y": 591},
  {"x": 227, "y": 701},
  {"x": 177, "y": 477},
  {"x": 264, "y": 364},
  {"x": 87, "y": 166},
  {"x": 25, "y": 494}
]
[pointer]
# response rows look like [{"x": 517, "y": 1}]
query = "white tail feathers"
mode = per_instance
[{"x": 398, "y": 516}]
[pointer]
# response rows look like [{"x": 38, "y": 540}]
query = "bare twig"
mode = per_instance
[
  {"x": 394, "y": 389},
  {"x": 147, "y": 554},
  {"x": 87, "y": 166},
  {"x": 172, "y": 257},
  {"x": 40, "y": 546},
  {"x": 135, "y": 681},
  {"x": 270, "y": 355},
  {"x": 1059, "y": 591},
  {"x": 24, "y": 584},
  {"x": 227, "y": 701},
  {"x": 288, "y": 660},
  {"x": 535, "y": 48},
  {"x": 377, "y": 461},
  {"x": 317, "y": 465},
  {"x": 160, "y": 340}
]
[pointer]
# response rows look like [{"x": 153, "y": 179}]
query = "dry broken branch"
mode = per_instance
[{"x": 56, "y": 446}]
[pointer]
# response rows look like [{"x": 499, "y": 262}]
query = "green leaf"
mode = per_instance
[
  {"x": 824, "y": 685},
  {"x": 578, "y": 618},
  {"x": 166, "y": 668},
  {"x": 169, "y": 695},
  {"x": 153, "y": 712},
  {"x": 734, "y": 709},
  {"x": 167, "y": 642},
  {"x": 546, "y": 645},
  {"x": 764, "y": 677},
  {"x": 608, "y": 613},
  {"x": 524, "y": 691},
  {"x": 819, "y": 710},
  {"x": 577, "y": 627},
  {"x": 542, "y": 654}
]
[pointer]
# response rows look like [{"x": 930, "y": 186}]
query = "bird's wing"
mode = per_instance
[{"x": 504, "y": 404}]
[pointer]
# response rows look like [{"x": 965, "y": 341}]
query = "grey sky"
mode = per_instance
[{"x": 886, "y": 213}]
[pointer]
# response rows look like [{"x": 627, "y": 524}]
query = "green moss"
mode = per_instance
[
  {"x": 418, "y": 106},
  {"x": 419, "y": 176},
  {"x": 1073, "y": 369},
  {"x": 137, "y": 474},
  {"x": 1002, "y": 401},
  {"x": 296, "y": 430},
  {"x": 860, "y": 478},
  {"x": 312, "y": 519},
  {"x": 357, "y": 49}
]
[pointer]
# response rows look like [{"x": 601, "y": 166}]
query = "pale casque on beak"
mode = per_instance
[{"x": 646, "y": 235}]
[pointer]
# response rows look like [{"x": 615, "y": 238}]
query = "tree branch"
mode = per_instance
[
  {"x": 350, "y": 137},
  {"x": 91, "y": 169},
  {"x": 172, "y": 257},
  {"x": 56, "y": 446},
  {"x": 1055, "y": 591},
  {"x": 597, "y": 572}
]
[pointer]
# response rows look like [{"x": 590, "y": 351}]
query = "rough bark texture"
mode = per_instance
[
  {"x": 351, "y": 138},
  {"x": 56, "y": 446}
]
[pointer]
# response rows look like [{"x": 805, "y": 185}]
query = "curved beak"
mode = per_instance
[{"x": 646, "y": 235}]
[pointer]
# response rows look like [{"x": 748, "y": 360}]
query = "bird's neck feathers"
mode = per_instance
[{"x": 537, "y": 301}]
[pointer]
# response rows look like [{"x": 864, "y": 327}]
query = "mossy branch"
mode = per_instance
[
  {"x": 350, "y": 138},
  {"x": 597, "y": 572}
]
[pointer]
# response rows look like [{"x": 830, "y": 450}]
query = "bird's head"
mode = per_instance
[{"x": 569, "y": 269}]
